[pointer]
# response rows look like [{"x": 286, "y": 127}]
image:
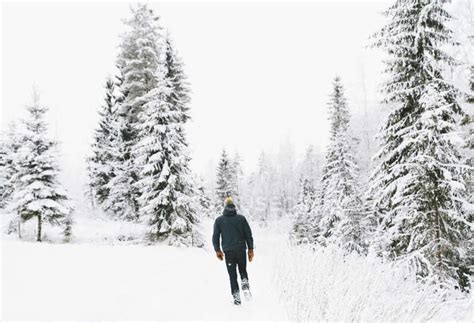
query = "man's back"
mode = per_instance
[{"x": 235, "y": 231}]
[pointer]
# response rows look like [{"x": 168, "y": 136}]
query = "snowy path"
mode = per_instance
[{"x": 86, "y": 282}]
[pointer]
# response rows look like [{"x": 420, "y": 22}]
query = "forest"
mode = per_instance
[{"x": 390, "y": 195}]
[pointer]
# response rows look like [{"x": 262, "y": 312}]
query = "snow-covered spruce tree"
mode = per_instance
[
  {"x": 11, "y": 142},
  {"x": 306, "y": 198},
  {"x": 99, "y": 165},
  {"x": 166, "y": 201},
  {"x": 303, "y": 223},
  {"x": 225, "y": 181},
  {"x": 38, "y": 193},
  {"x": 180, "y": 88},
  {"x": 237, "y": 179},
  {"x": 120, "y": 202},
  {"x": 203, "y": 199},
  {"x": 264, "y": 197},
  {"x": 339, "y": 205},
  {"x": 419, "y": 189},
  {"x": 137, "y": 61},
  {"x": 287, "y": 182}
]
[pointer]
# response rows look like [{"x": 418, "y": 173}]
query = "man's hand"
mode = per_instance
[
  {"x": 250, "y": 253},
  {"x": 220, "y": 255}
]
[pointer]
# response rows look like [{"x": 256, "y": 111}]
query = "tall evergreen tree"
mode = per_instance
[
  {"x": 264, "y": 193},
  {"x": 38, "y": 193},
  {"x": 139, "y": 58},
  {"x": 237, "y": 179},
  {"x": 287, "y": 185},
  {"x": 338, "y": 212},
  {"x": 166, "y": 201},
  {"x": 225, "y": 184},
  {"x": 180, "y": 88},
  {"x": 419, "y": 189},
  {"x": 121, "y": 202},
  {"x": 99, "y": 166},
  {"x": 203, "y": 199}
]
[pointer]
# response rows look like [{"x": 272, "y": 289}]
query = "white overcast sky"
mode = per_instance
[{"x": 259, "y": 71}]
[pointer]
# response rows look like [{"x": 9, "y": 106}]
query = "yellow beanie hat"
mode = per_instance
[{"x": 228, "y": 200}]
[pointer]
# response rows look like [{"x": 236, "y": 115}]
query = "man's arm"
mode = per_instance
[
  {"x": 248, "y": 234},
  {"x": 248, "y": 238},
  {"x": 216, "y": 240}
]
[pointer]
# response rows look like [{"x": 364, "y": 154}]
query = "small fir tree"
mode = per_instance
[{"x": 38, "y": 194}]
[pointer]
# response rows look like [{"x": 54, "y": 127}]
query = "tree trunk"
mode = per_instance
[{"x": 38, "y": 238}]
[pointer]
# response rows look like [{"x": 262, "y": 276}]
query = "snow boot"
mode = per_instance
[
  {"x": 246, "y": 289},
  {"x": 236, "y": 299},
  {"x": 247, "y": 295}
]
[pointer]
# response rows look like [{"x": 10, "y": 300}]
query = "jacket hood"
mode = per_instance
[{"x": 229, "y": 210}]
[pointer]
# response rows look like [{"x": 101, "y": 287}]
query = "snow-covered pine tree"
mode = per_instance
[
  {"x": 225, "y": 184},
  {"x": 38, "y": 193},
  {"x": 180, "y": 88},
  {"x": 99, "y": 165},
  {"x": 120, "y": 202},
  {"x": 306, "y": 198},
  {"x": 203, "y": 199},
  {"x": 264, "y": 198},
  {"x": 419, "y": 189},
  {"x": 11, "y": 142},
  {"x": 138, "y": 60},
  {"x": 287, "y": 182},
  {"x": 301, "y": 231},
  {"x": 166, "y": 202},
  {"x": 339, "y": 207},
  {"x": 237, "y": 179}
]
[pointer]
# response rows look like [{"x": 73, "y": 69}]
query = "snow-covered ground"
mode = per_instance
[{"x": 125, "y": 280}]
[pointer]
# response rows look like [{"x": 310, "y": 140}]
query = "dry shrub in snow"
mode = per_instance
[{"x": 324, "y": 284}]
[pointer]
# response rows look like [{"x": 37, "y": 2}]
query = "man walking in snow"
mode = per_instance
[{"x": 236, "y": 238}]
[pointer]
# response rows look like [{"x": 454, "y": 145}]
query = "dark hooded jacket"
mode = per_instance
[{"x": 235, "y": 231}]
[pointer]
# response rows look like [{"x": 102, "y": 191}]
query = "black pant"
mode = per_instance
[{"x": 233, "y": 259}]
